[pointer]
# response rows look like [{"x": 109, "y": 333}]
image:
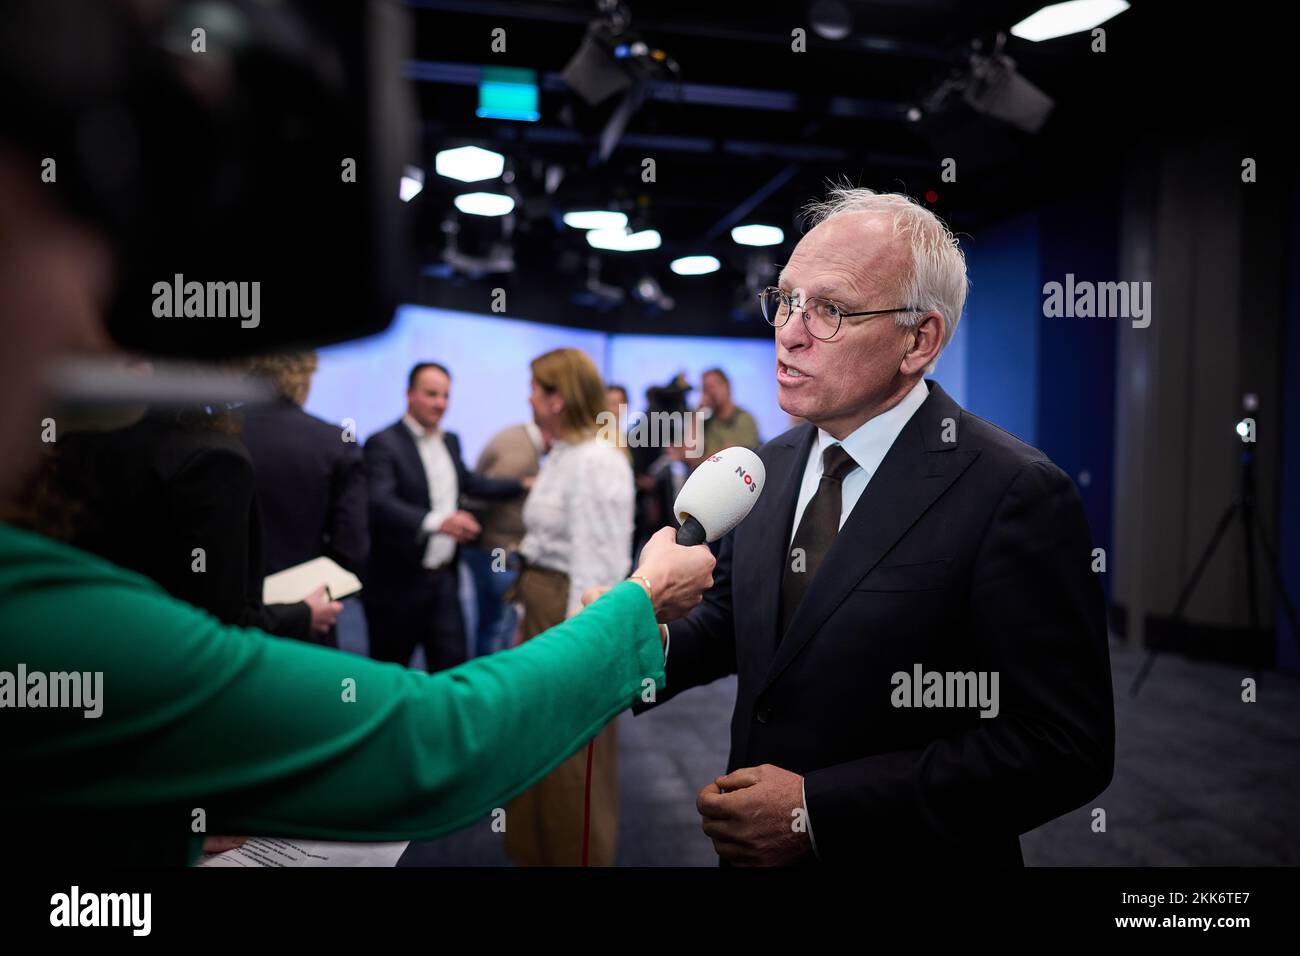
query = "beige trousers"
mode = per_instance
[{"x": 544, "y": 825}]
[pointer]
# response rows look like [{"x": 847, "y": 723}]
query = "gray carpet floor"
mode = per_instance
[{"x": 1201, "y": 778}]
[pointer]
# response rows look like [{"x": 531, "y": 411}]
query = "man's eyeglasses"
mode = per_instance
[{"x": 821, "y": 317}]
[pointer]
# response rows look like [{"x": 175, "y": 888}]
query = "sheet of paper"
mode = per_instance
[
  {"x": 293, "y": 584},
  {"x": 273, "y": 851}
]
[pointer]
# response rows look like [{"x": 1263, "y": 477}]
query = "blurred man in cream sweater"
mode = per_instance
[{"x": 514, "y": 452}]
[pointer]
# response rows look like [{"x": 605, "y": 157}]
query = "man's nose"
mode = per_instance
[{"x": 794, "y": 334}]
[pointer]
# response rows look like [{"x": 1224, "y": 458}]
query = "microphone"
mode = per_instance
[{"x": 718, "y": 495}]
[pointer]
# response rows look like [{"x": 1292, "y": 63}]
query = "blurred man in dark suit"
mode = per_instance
[
  {"x": 311, "y": 481},
  {"x": 415, "y": 478},
  {"x": 920, "y": 642}
]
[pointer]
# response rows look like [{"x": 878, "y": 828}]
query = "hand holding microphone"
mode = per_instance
[
  {"x": 678, "y": 575},
  {"x": 717, "y": 496}
]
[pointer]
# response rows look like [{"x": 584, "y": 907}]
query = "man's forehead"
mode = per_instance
[
  {"x": 432, "y": 378},
  {"x": 842, "y": 252}
]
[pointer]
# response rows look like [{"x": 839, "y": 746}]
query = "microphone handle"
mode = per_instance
[{"x": 691, "y": 532}]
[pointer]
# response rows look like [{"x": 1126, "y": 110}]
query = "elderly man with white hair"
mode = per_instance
[{"x": 919, "y": 639}]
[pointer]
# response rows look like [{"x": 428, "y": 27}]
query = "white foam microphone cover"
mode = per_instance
[{"x": 721, "y": 491}]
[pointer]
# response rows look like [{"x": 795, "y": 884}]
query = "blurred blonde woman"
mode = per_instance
[{"x": 578, "y": 524}]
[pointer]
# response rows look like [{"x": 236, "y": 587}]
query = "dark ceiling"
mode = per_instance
[{"x": 749, "y": 131}]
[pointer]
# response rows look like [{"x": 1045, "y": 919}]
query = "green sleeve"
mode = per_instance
[{"x": 272, "y": 736}]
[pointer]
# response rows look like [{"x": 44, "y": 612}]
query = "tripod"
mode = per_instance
[{"x": 1243, "y": 507}]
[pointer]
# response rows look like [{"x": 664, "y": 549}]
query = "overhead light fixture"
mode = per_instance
[
  {"x": 619, "y": 240},
  {"x": 595, "y": 219},
  {"x": 758, "y": 235},
  {"x": 412, "y": 183},
  {"x": 695, "y": 265},
  {"x": 484, "y": 204},
  {"x": 469, "y": 164},
  {"x": 1062, "y": 19}
]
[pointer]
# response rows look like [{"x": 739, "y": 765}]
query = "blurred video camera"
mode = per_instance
[
  {"x": 243, "y": 159},
  {"x": 670, "y": 397}
]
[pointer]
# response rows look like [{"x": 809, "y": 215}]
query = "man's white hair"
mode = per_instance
[{"x": 936, "y": 277}]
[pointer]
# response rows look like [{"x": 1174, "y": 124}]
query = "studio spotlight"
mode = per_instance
[
  {"x": 611, "y": 59},
  {"x": 991, "y": 86},
  {"x": 831, "y": 19},
  {"x": 600, "y": 294},
  {"x": 649, "y": 291}
]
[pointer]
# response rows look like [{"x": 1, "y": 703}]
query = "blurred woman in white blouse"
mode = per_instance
[{"x": 578, "y": 521}]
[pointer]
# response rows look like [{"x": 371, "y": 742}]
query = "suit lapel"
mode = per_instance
[
  {"x": 918, "y": 468},
  {"x": 452, "y": 442},
  {"x": 406, "y": 441},
  {"x": 774, "y": 515}
]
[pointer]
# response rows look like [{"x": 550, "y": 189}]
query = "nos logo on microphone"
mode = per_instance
[{"x": 748, "y": 478}]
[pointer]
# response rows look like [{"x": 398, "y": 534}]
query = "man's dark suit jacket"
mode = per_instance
[
  {"x": 399, "y": 500},
  {"x": 968, "y": 551},
  {"x": 311, "y": 486}
]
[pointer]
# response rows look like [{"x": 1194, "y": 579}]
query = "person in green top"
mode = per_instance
[{"x": 180, "y": 726}]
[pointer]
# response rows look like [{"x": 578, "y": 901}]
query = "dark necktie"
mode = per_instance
[{"x": 817, "y": 530}]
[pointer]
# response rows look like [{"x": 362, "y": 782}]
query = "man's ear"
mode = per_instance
[{"x": 927, "y": 340}]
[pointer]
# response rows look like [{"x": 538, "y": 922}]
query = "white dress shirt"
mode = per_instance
[
  {"x": 867, "y": 445},
  {"x": 444, "y": 491}
]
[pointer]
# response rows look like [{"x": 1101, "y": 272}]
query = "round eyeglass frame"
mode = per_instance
[{"x": 787, "y": 303}]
